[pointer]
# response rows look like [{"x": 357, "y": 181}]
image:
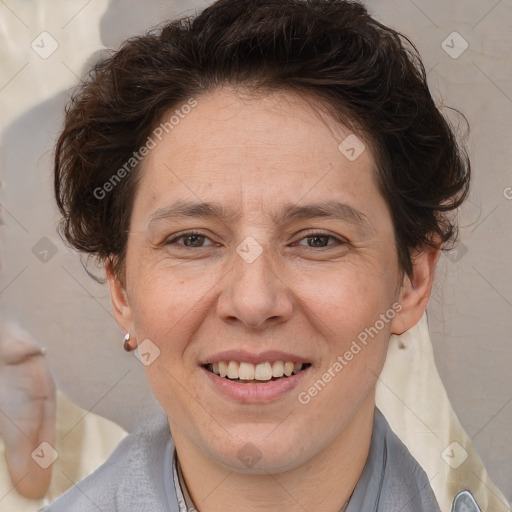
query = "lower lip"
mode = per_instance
[{"x": 253, "y": 393}]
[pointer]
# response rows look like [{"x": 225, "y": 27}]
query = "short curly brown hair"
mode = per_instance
[{"x": 368, "y": 76}]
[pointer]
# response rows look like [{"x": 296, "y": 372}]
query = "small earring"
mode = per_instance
[{"x": 126, "y": 344}]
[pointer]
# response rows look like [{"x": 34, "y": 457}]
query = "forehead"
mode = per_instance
[
  {"x": 280, "y": 124},
  {"x": 236, "y": 147}
]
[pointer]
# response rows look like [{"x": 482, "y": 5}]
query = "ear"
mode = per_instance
[
  {"x": 416, "y": 289},
  {"x": 119, "y": 299}
]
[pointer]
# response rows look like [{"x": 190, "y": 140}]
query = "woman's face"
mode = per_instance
[{"x": 264, "y": 279}]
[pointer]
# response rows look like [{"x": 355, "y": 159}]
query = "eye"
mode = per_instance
[
  {"x": 320, "y": 240},
  {"x": 191, "y": 239}
]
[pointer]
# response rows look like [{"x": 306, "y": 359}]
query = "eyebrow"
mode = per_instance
[{"x": 211, "y": 210}]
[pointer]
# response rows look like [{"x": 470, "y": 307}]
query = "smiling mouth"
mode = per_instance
[{"x": 247, "y": 373}]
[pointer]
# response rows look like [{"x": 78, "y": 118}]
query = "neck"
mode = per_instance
[{"x": 324, "y": 484}]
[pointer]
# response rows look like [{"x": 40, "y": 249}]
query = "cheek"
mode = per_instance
[
  {"x": 352, "y": 310},
  {"x": 345, "y": 301},
  {"x": 167, "y": 309},
  {"x": 164, "y": 296}
]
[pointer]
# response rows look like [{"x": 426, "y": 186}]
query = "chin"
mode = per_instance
[
  {"x": 260, "y": 454},
  {"x": 253, "y": 461}
]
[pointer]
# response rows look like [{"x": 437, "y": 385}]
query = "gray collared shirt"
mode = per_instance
[{"x": 138, "y": 477}]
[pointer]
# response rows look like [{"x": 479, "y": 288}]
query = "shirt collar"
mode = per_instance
[{"x": 185, "y": 503}]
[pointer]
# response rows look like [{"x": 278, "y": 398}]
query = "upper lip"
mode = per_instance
[{"x": 249, "y": 357}]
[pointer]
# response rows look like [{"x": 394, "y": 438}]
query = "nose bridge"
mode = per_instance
[
  {"x": 253, "y": 264},
  {"x": 254, "y": 291}
]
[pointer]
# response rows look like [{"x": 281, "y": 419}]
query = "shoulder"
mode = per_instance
[
  {"x": 392, "y": 478},
  {"x": 130, "y": 479},
  {"x": 406, "y": 485}
]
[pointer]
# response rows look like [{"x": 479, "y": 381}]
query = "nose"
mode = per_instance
[{"x": 254, "y": 293}]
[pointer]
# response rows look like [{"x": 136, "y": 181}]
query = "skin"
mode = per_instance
[
  {"x": 310, "y": 297},
  {"x": 27, "y": 411}
]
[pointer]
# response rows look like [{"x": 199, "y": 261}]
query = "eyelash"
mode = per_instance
[{"x": 312, "y": 234}]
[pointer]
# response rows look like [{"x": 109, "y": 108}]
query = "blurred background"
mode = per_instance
[{"x": 46, "y": 46}]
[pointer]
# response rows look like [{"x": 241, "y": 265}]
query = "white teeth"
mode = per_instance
[
  {"x": 263, "y": 371},
  {"x": 246, "y": 371},
  {"x": 278, "y": 369},
  {"x": 223, "y": 368},
  {"x": 233, "y": 370}
]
